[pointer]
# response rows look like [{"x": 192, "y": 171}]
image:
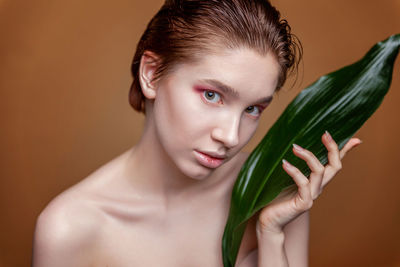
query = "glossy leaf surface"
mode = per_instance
[{"x": 339, "y": 102}]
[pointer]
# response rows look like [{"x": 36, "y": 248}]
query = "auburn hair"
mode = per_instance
[{"x": 184, "y": 30}]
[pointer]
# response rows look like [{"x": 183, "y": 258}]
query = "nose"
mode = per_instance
[{"x": 227, "y": 131}]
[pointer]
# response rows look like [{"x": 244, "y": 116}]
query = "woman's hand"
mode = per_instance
[{"x": 293, "y": 202}]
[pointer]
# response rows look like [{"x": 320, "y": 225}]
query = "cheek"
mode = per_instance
[
  {"x": 247, "y": 131},
  {"x": 180, "y": 116}
]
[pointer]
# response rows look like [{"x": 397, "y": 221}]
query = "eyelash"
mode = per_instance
[{"x": 204, "y": 92}]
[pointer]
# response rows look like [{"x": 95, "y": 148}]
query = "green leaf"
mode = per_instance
[{"x": 339, "y": 102}]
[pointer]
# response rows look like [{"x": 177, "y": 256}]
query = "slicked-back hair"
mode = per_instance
[{"x": 184, "y": 30}]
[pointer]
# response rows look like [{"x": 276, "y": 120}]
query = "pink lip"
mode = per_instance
[{"x": 209, "y": 161}]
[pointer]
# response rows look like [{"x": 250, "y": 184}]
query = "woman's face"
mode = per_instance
[{"x": 205, "y": 112}]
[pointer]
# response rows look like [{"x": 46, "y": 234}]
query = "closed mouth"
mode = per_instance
[
  {"x": 213, "y": 155},
  {"x": 209, "y": 160}
]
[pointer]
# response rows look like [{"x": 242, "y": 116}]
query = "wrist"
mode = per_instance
[
  {"x": 271, "y": 237},
  {"x": 263, "y": 230}
]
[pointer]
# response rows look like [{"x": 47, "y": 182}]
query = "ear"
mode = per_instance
[{"x": 148, "y": 66}]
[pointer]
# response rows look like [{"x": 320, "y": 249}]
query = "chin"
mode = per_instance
[
  {"x": 198, "y": 172},
  {"x": 201, "y": 174}
]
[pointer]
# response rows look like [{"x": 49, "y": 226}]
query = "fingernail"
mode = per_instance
[
  {"x": 286, "y": 163},
  {"x": 358, "y": 143},
  {"x": 297, "y": 147},
  {"x": 328, "y": 136}
]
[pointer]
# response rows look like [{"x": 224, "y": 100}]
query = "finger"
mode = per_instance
[
  {"x": 353, "y": 142},
  {"x": 333, "y": 151},
  {"x": 302, "y": 183},
  {"x": 334, "y": 162},
  {"x": 317, "y": 169}
]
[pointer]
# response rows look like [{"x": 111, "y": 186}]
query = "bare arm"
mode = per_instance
[
  {"x": 272, "y": 250},
  {"x": 297, "y": 235},
  {"x": 289, "y": 248}
]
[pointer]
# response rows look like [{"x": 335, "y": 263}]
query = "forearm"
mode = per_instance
[
  {"x": 271, "y": 250},
  {"x": 289, "y": 247},
  {"x": 295, "y": 247},
  {"x": 297, "y": 239}
]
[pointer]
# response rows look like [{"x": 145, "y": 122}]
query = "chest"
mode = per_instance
[{"x": 186, "y": 238}]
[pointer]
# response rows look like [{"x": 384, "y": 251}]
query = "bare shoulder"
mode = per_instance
[
  {"x": 70, "y": 227},
  {"x": 66, "y": 231}
]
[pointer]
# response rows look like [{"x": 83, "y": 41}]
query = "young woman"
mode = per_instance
[{"x": 203, "y": 73}]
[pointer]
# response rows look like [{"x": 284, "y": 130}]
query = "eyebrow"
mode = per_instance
[{"x": 229, "y": 90}]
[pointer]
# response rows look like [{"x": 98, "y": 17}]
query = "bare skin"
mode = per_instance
[
  {"x": 102, "y": 222},
  {"x": 157, "y": 204}
]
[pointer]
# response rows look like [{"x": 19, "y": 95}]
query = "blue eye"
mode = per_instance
[
  {"x": 253, "y": 110},
  {"x": 211, "y": 96}
]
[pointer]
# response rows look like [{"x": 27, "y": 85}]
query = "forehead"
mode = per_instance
[{"x": 243, "y": 69}]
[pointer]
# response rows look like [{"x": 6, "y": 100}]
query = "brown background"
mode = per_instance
[{"x": 64, "y": 79}]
